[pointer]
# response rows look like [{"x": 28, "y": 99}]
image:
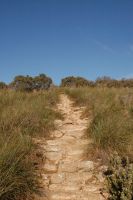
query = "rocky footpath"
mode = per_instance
[{"x": 67, "y": 174}]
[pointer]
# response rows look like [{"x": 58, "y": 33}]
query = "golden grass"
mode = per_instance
[
  {"x": 23, "y": 116},
  {"x": 112, "y": 118}
]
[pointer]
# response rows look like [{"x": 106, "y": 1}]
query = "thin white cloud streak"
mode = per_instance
[{"x": 103, "y": 46}]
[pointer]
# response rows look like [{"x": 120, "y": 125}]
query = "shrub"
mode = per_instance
[
  {"x": 3, "y": 85},
  {"x": 72, "y": 81},
  {"x": 28, "y": 83},
  {"x": 42, "y": 82},
  {"x": 120, "y": 179}
]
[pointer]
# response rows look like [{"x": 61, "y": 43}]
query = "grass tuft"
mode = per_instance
[{"x": 23, "y": 116}]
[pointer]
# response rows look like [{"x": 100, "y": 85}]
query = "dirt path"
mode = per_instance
[{"x": 68, "y": 175}]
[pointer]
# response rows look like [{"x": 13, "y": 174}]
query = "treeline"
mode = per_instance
[
  {"x": 104, "y": 81},
  {"x": 28, "y": 83},
  {"x": 43, "y": 82}
]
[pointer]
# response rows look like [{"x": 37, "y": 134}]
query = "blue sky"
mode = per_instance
[{"x": 88, "y": 38}]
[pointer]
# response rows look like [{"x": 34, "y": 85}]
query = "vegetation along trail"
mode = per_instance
[{"x": 68, "y": 174}]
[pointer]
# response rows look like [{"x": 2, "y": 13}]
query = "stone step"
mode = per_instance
[
  {"x": 90, "y": 196},
  {"x": 76, "y": 153},
  {"x": 75, "y": 196},
  {"x": 54, "y": 156},
  {"x": 73, "y": 128},
  {"x": 63, "y": 196},
  {"x": 79, "y": 177},
  {"x": 67, "y": 176},
  {"x": 50, "y": 168},
  {"x": 56, "y": 188},
  {"x": 68, "y": 166},
  {"x": 58, "y": 178},
  {"x": 95, "y": 189},
  {"x": 52, "y": 148}
]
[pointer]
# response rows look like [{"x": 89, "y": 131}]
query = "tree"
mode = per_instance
[
  {"x": 22, "y": 83},
  {"x": 42, "y": 82},
  {"x": 72, "y": 81},
  {"x": 28, "y": 83},
  {"x": 3, "y": 85}
]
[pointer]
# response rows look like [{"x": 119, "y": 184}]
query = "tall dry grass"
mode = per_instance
[
  {"x": 23, "y": 116},
  {"x": 111, "y": 111}
]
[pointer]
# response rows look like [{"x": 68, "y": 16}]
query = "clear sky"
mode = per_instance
[{"x": 88, "y": 38}]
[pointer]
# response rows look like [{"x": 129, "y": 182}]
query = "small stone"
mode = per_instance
[
  {"x": 54, "y": 156},
  {"x": 91, "y": 188},
  {"x": 76, "y": 154},
  {"x": 103, "y": 168},
  {"x": 65, "y": 188},
  {"x": 57, "y": 178},
  {"x": 63, "y": 196},
  {"x": 67, "y": 122},
  {"x": 45, "y": 179},
  {"x": 50, "y": 168},
  {"x": 57, "y": 134},
  {"x": 68, "y": 166},
  {"x": 86, "y": 166},
  {"x": 53, "y": 148}
]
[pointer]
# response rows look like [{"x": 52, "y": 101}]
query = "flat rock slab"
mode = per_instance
[
  {"x": 57, "y": 134},
  {"x": 57, "y": 178},
  {"x": 63, "y": 196},
  {"x": 68, "y": 166},
  {"x": 65, "y": 188},
  {"x": 86, "y": 166},
  {"x": 50, "y": 168},
  {"x": 54, "y": 156},
  {"x": 52, "y": 148}
]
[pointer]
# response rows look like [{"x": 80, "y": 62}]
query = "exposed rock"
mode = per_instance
[
  {"x": 63, "y": 196},
  {"x": 52, "y": 148},
  {"x": 65, "y": 188},
  {"x": 54, "y": 156},
  {"x": 50, "y": 168},
  {"x": 67, "y": 175},
  {"x": 68, "y": 166},
  {"x": 57, "y": 134},
  {"x": 86, "y": 166},
  {"x": 57, "y": 178}
]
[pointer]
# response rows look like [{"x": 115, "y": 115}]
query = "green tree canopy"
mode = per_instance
[
  {"x": 3, "y": 85},
  {"x": 28, "y": 83},
  {"x": 72, "y": 81}
]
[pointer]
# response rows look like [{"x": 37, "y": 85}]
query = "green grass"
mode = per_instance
[
  {"x": 111, "y": 111},
  {"x": 23, "y": 116}
]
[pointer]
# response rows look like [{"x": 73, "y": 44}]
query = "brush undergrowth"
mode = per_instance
[
  {"x": 119, "y": 178},
  {"x": 23, "y": 116}
]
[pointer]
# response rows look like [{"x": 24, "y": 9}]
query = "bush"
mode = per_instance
[
  {"x": 120, "y": 179},
  {"x": 72, "y": 81},
  {"x": 28, "y": 83},
  {"x": 3, "y": 85}
]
